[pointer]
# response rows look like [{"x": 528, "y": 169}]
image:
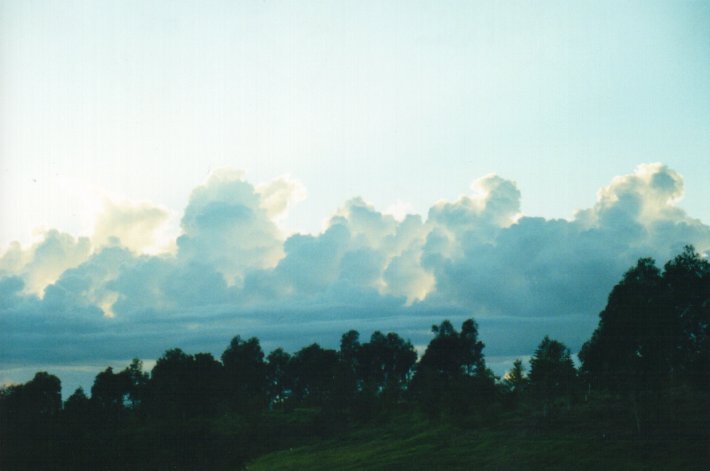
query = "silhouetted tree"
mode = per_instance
[
  {"x": 28, "y": 422},
  {"x": 348, "y": 375},
  {"x": 451, "y": 354},
  {"x": 619, "y": 354},
  {"x": 687, "y": 285},
  {"x": 552, "y": 372},
  {"x": 245, "y": 373},
  {"x": 137, "y": 383},
  {"x": 110, "y": 393},
  {"x": 653, "y": 334},
  {"x": 350, "y": 348},
  {"x": 314, "y": 371},
  {"x": 452, "y": 372},
  {"x": 209, "y": 390},
  {"x": 515, "y": 379},
  {"x": 78, "y": 422},
  {"x": 386, "y": 364},
  {"x": 77, "y": 404},
  {"x": 171, "y": 392},
  {"x": 279, "y": 383}
]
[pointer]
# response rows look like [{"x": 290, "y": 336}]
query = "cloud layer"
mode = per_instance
[{"x": 68, "y": 300}]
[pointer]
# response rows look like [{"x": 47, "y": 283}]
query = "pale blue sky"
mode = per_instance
[
  {"x": 391, "y": 101},
  {"x": 401, "y": 103}
]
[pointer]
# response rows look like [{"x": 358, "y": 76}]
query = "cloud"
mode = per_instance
[
  {"x": 495, "y": 203},
  {"x": 646, "y": 197},
  {"x": 140, "y": 227},
  {"x": 406, "y": 277},
  {"x": 494, "y": 206},
  {"x": 278, "y": 195},
  {"x": 226, "y": 226},
  {"x": 42, "y": 263},
  {"x": 68, "y": 299},
  {"x": 639, "y": 210}
]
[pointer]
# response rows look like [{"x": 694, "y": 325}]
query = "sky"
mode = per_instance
[{"x": 173, "y": 173}]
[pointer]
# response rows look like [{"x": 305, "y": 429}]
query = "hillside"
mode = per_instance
[{"x": 414, "y": 443}]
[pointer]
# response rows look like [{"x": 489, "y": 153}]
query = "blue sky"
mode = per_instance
[
  {"x": 536, "y": 143},
  {"x": 406, "y": 102}
]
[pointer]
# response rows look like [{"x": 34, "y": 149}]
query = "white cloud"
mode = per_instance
[
  {"x": 232, "y": 272},
  {"x": 399, "y": 210},
  {"x": 494, "y": 206},
  {"x": 496, "y": 201},
  {"x": 406, "y": 277},
  {"x": 280, "y": 194},
  {"x": 646, "y": 196},
  {"x": 226, "y": 226},
  {"x": 138, "y": 226},
  {"x": 368, "y": 226},
  {"x": 43, "y": 262}
]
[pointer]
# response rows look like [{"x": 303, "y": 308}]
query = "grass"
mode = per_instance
[{"x": 410, "y": 442}]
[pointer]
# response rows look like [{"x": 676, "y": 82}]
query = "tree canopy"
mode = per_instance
[
  {"x": 648, "y": 358},
  {"x": 654, "y": 328}
]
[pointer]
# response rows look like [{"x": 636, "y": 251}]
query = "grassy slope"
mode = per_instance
[{"x": 412, "y": 443}]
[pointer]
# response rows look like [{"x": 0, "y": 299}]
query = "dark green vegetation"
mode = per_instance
[
  {"x": 513, "y": 441},
  {"x": 638, "y": 401}
]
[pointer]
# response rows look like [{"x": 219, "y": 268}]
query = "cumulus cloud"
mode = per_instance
[
  {"x": 494, "y": 206},
  {"x": 140, "y": 227},
  {"x": 233, "y": 271},
  {"x": 639, "y": 210},
  {"x": 280, "y": 194},
  {"x": 42, "y": 263},
  {"x": 495, "y": 203},
  {"x": 646, "y": 197},
  {"x": 404, "y": 276},
  {"x": 226, "y": 225}
]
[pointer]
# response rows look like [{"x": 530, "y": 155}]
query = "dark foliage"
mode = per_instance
[
  {"x": 552, "y": 373},
  {"x": 645, "y": 375},
  {"x": 245, "y": 375},
  {"x": 452, "y": 374},
  {"x": 653, "y": 338}
]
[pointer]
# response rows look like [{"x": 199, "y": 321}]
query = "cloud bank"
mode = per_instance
[{"x": 125, "y": 292}]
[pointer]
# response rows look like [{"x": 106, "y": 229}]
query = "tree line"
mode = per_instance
[{"x": 648, "y": 358}]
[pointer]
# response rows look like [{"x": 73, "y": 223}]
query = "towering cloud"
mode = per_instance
[
  {"x": 226, "y": 225},
  {"x": 645, "y": 197},
  {"x": 231, "y": 270}
]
